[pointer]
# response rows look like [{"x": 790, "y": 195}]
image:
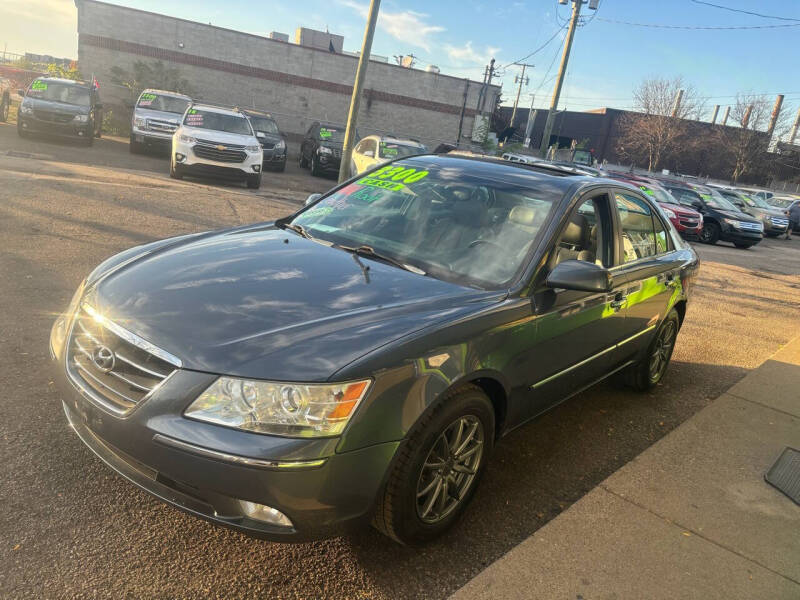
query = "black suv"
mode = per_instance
[
  {"x": 273, "y": 144},
  {"x": 721, "y": 219},
  {"x": 321, "y": 149},
  {"x": 60, "y": 107},
  {"x": 359, "y": 359}
]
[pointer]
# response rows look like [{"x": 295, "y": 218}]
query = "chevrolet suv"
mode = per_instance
[
  {"x": 358, "y": 360},
  {"x": 156, "y": 116},
  {"x": 273, "y": 144},
  {"x": 214, "y": 141}
]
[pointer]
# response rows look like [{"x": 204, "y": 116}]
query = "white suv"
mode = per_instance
[{"x": 218, "y": 142}]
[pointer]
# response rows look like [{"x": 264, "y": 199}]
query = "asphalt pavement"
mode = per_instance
[{"x": 71, "y": 528}]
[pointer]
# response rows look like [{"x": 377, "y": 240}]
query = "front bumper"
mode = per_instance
[
  {"x": 192, "y": 164},
  {"x": 151, "y": 138},
  {"x": 205, "y": 469},
  {"x": 274, "y": 159},
  {"x": 71, "y": 129},
  {"x": 729, "y": 234},
  {"x": 329, "y": 162},
  {"x": 689, "y": 229}
]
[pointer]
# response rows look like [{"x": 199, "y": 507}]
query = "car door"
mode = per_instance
[
  {"x": 577, "y": 332},
  {"x": 648, "y": 273}
]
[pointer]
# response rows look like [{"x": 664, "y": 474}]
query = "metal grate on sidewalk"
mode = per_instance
[{"x": 785, "y": 474}]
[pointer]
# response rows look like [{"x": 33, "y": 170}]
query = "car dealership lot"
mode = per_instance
[{"x": 71, "y": 527}]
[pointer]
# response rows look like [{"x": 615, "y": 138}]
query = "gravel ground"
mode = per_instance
[{"x": 71, "y": 528}]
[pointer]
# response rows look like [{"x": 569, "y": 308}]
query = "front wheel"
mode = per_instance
[
  {"x": 254, "y": 181},
  {"x": 437, "y": 468},
  {"x": 4, "y": 109},
  {"x": 302, "y": 161},
  {"x": 315, "y": 169},
  {"x": 742, "y": 246},
  {"x": 710, "y": 233},
  {"x": 175, "y": 171}
]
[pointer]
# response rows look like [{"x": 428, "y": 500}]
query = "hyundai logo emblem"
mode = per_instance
[{"x": 103, "y": 358}]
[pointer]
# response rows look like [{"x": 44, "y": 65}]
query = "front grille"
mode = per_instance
[
  {"x": 212, "y": 153},
  {"x": 689, "y": 222},
  {"x": 118, "y": 372},
  {"x": 53, "y": 117},
  {"x": 162, "y": 126},
  {"x": 267, "y": 145},
  {"x": 214, "y": 144},
  {"x": 748, "y": 226},
  {"x": 779, "y": 222}
]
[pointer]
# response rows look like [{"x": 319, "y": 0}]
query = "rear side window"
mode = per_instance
[{"x": 636, "y": 224}]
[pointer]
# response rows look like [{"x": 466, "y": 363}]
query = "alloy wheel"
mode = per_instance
[
  {"x": 662, "y": 351},
  {"x": 449, "y": 469}
]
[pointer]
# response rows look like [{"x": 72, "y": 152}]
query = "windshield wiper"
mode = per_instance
[
  {"x": 299, "y": 229},
  {"x": 369, "y": 251}
]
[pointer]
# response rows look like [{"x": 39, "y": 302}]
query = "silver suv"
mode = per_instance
[{"x": 156, "y": 116}]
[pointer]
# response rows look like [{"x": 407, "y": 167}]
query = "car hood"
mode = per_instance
[
  {"x": 161, "y": 115},
  {"x": 59, "y": 107},
  {"x": 272, "y": 138},
  {"x": 681, "y": 210},
  {"x": 739, "y": 216},
  {"x": 265, "y": 303},
  {"x": 221, "y": 137}
]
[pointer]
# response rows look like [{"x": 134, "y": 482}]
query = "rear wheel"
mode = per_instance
[
  {"x": 645, "y": 374},
  {"x": 437, "y": 468},
  {"x": 315, "y": 170},
  {"x": 710, "y": 233},
  {"x": 88, "y": 140},
  {"x": 21, "y": 132},
  {"x": 302, "y": 161}
]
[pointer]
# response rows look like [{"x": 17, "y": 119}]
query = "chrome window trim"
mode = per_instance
[
  {"x": 591, "y": 358},
  {"x": 132, "y": 338},
  {"x": 237, "y": 459}
]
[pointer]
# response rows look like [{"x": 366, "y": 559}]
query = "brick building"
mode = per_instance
[{"x": 297, "y": 83}]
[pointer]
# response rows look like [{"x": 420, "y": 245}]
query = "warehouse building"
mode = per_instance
[{"x": 298, "y": 82}]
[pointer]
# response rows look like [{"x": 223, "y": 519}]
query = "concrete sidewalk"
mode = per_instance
[{"x": 691, "y": 517}]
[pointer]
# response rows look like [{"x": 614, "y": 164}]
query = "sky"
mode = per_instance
[{"x": 609, "y": 59}]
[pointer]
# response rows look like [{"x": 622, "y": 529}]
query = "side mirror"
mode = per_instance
[
  {"x": 21, "y": 92},
  {"x": 370, "y": 153},
  {"x": 581, "y": 276},
  {"x": 312, "y": 198}
]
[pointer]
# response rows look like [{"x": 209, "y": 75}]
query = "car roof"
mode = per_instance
[
  {"x": 252, "y": 112},
  {"x": 166, "y": 93},
  {"x": 397, "y": 139},
  {"x": 63, "y": 80},
  {"x": 224, "y": 110}
]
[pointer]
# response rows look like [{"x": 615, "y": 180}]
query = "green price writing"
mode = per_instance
[
  {"x": 148, "y": 96},
  {"x": 646, "y": 190},
  {"x": 39, "y": 85},
  {"x": 324, "y": 133},
  {"x": 193, "y": 111},
  {"x": 379, "y": 183},
  {"x": 404, "y": 174}
]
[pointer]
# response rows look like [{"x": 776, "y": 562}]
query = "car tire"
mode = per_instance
[
  {"x": 303, "y": 162},
  {"x": 645, "y": 374},
  {"x": 254, "y": 181},
  {"x": 21, "y": 132},
  {"x": 315, "y": 170},
  {"x": 710, "y": 233},
  {"x": 4, "y": 109},
  {"x": 88, "y": 141},
  {"x": 134, "y": 146},
  {"x": 175, "y": 171},
  {"x": 742, "y": 246},
  {"x": 281, "y": 168},
  {"x": 401, "y": 512}
]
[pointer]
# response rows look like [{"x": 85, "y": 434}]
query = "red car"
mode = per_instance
[{"x": 687, "y": 221}]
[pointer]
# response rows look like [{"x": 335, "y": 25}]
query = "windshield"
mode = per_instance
[
  {"x": 756, "y": 201},
  {"x": 781, "y": 202},
  {"x": 391, "y": 150},
  {"x": 168, "y": 104},
  {"x": 56, "y": 91},
  {"x": 660, "y": 194},
  {"x": 715, "y": 199},
  {"x": 217, "y": 121},
  {"x": 445, "y": 221},
  {"x": 264, "y": 124},
  {"x": 330, "y": 133}
]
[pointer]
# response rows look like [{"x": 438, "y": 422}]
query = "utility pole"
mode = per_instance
[
  {"x": 676, "y": 106},
  {"x": 773, "y": 120},
  {"x": 521, "y": 79},
  {"x": 530, "y": 123},
  {"x": 463, "y": 109},
  {"x": 358, "y": 86},
  {"x": 795, "y": 128},
  {"x": 725, "y": 118},
  {"x": 562, "y": 71},
  {"x": 746, "y": 118},
  {"x": 714, "y": 116}
]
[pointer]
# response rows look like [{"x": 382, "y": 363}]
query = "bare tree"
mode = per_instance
[
  {"x": 747, "y": 139},
  {"x": 656, "y": 130}
]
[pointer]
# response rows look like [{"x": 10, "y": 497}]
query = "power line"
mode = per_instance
[
  {"x": 746, "y": 12},
  {"x": 527, "y": 56},
  {"x": 696, "y": 27}
]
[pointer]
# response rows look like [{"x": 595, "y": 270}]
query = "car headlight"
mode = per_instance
[
  {"x": 253, "y": 148},
  {"x": 669, "y": 214},
  {"x": 187, "y": 139},
  {"x": 732, "y": 222},
  {"x": 140, "y": 122},
  {"x": 58, "y": 334},
  {"x": 26, "y": 110},
  {"x": 325, "y": 150},
  {"x": 281, "y": 145},
  {"x": 289, "y": 409},
  {"x": 81, "y": 118}
]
